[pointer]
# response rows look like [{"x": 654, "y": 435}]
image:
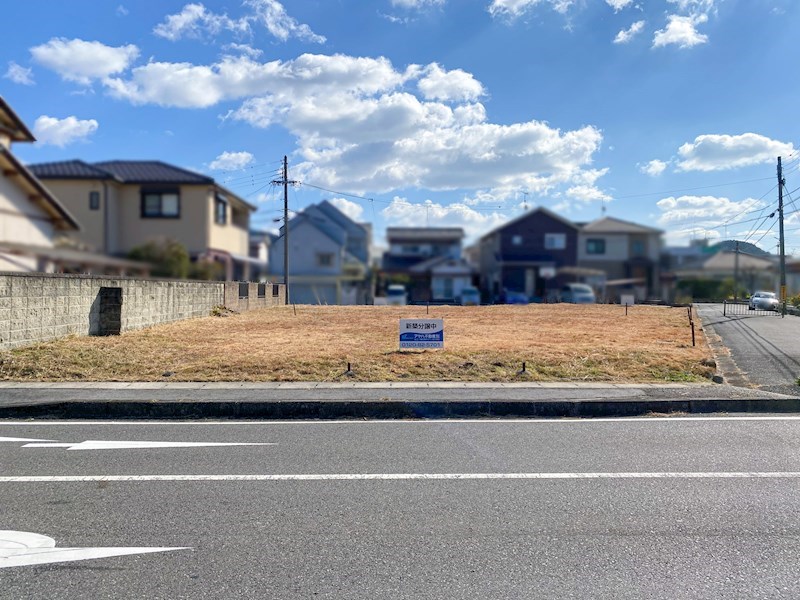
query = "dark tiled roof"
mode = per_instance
[
  {"x": 126, "y": 171},
  {"x": 150, "y": 171},
  {"x": 68, "y": 169}
]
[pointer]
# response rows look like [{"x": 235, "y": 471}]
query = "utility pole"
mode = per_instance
[
  {"x": 736, "y": 274},
  {"x": 285, "y": 183},
  {"x": 781, "y": 182}
]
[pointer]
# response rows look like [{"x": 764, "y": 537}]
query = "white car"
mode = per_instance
[
  {"x": 396, "y": 295},
  {"x": 578, "y": 293},
  {"x": 764, "y": 301}
]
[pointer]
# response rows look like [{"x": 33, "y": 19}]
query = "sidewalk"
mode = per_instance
[{"x": 382, "y": 400}]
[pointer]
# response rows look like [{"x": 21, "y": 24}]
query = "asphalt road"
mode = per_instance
[
  {"x": 764, "y": 346},
  {"x": 637, "y": 508}
]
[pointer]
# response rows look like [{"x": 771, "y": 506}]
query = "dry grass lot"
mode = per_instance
[{"x": 486, "y": 343}]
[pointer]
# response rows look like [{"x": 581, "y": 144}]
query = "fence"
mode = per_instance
[
  {"x": 36, "y": 307},
  {"x": 741, "y": 308}
]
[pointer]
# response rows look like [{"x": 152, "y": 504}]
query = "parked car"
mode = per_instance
[
  {"x": 396, "y": 295},
  {"x": 764, "y": 301},
  {"x": 512, "y": 297},
  {"x": 470, "y": 296},
  {"x": 578, "y": 293}
]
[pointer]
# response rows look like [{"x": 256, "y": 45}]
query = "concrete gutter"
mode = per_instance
[{"x": 381, "y": 400}]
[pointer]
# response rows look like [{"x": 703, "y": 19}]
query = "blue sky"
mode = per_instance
[{"x": 437, "y": 112}]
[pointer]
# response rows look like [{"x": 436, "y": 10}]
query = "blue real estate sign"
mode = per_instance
[{"x": 421, "y": 333}]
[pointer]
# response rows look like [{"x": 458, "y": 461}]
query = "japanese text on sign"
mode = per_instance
[{"x": 421, "y": 333}]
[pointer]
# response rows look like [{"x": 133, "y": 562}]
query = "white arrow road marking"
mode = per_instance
[
  {"x": 22, "y": 548},
  {"x": 10, "y": 439},
  {"x": 115, "y": 445}
]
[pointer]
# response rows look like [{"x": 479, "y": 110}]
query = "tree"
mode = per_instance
[{"x": 168, "y": 257}]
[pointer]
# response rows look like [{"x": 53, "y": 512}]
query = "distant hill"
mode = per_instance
[{"x": 745, "y": 247}]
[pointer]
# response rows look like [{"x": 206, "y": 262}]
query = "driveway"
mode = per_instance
[{"x": 766, "y": 348}]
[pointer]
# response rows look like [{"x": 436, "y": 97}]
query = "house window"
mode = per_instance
[
  {"x": 637, "y": 248},
  {"x": 516, "y": 240},
  {"x": 555, "y": 241},
  {"x": 324, "y": 259},
  {"x": 220, "y": 210},
  {"x": 161, "y": 205},
  {"x": 594, "y": 246},
  {"x": 94, "y": 200}
]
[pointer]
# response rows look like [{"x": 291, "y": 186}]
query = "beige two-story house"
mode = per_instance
[
  {"x": 125, "y": 203},
  {"x": 628, "y": 253}
]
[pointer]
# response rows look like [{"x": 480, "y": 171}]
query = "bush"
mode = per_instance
[{"x": 169, "y": 258}]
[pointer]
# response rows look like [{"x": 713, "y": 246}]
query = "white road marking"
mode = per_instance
[
  {"x": 488, "y": 421},
  {"x": 12, "y": 439},
  {"x": 137, "y": 445},
  {"x": 400, "y": 476},
  {"x": 23, "y": 548}
]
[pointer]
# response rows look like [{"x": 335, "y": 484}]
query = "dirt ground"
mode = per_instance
[{"x": 557, "y": 342}]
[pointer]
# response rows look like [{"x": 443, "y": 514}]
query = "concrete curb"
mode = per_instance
[
  {"x": 388, "y": 409},
  {"x": 727, "y": 369}
]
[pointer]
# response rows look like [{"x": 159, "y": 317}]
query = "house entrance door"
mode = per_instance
[{"x": 530, "y": 282}]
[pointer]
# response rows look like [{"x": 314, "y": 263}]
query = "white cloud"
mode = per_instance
[
  {"x": 81, "y": 61},
  {"x": 243, "y": 49},
  {"x": 626, "y": 35},
  {"x": 708, "y": 212},
  {"x": 654, "y": 168},
  {"x": 402, "y": 213},
  {"x": 348, "y": 207},
  {"x": 455, "y": 85},
  {"x": 358, "y": 128},
  {"x": 618, "y": 5},
  {"x": 19, "y": 74},
  {"x": 695, "y": 6},
  {"x": 417, "y": 3},
  {"x": 61, "y": 132},
  {"x": 195, "y": 21},
  {"x": 512, "y": 9},
  {"x": 196, "y": 86},
  {"x": 273, "y": 16},
  {"x": 122, "y": 11},
  {"x": 231, "y": 161},
  {"x": 587, "y": 193},
  {"x": 722, "y": 152},
  {"x": 693, "y": 217},
  {"x": 681, "y": 31}
]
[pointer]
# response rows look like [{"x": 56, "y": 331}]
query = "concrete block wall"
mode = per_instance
[
  {"x": 36, "y": 307},
  {"x": 235, "y": 301}
]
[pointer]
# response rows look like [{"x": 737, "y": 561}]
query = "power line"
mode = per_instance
[{"x": 704, "y": 187}]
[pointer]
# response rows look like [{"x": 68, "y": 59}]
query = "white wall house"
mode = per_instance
[{"x": 30, "y": 215}]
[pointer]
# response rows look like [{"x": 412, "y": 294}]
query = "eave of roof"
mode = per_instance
[
  {"x": 614, "y": 225},
  {"x": 239, "y": 199},
  {"x": 50, "y": 203},
  {"x": 22, "y": 133}
]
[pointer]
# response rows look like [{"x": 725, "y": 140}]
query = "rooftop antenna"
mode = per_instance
[
  {"x": 524, "y": 200},
  {"x": 603, "y": 207}
]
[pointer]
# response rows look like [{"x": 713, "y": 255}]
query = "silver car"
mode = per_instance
[{"x": 764, "y": 301}]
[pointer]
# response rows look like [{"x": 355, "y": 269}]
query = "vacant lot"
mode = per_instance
[{"x": 485, "y": 343}]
